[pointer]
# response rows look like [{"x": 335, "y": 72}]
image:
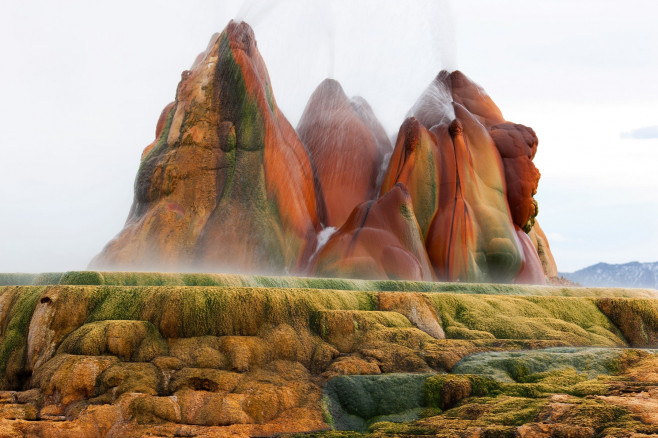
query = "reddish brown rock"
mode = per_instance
[
  {"x": 416, "y": 308},
  {"x": 473, "y": 97},
  {"x": 415, "y": 163},
  {"x": 381, "y": 239},
  {"x": 477, "y": 183},
  {"x": 517, "y": 145},
  {"x": 227, "y": 184},
  {"x": 531, "y": 271},
  {"x": 347, "y": 145},
  {"x": 540, "y": 242},
  {"x": 472, "y": 237}
]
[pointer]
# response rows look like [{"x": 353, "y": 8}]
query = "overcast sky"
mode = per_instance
[{"x": 83, "y": 84}]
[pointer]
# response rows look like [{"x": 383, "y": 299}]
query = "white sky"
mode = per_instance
[{"x": 83, "y": 84}]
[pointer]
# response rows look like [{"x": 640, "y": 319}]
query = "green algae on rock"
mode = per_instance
[
  {"x": 117, "y": 278},
  {"x": 260, "y": 357}
]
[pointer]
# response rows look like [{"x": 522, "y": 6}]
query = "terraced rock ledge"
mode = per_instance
[{"x": 134, "y": 354}]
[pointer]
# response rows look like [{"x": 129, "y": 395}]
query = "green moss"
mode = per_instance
[
  {"x": 456, "y": 332},
  {"x": 356, "y": 401},
  {"x": 443, "y": 391},
  {"x": 596, "y": 413},
  {"x": 143, "y": 279},
  {"x": 538, "y": 365},
  {"x": 637, "y": 318},
  {"x": 572, "y": 321},
  {"x": 14, "y": 337},
  {"x": 504, "y": 410},
  {"x": 117, "y": 303},
  {"x": 200, "y": 279},
  {"x": 82, "y": 278},
  {"x": 162, "y": 140},
  {"x": 200, "y": 311}
]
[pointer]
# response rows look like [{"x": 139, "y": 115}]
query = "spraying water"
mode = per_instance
[{"x": 385, "y": 51}]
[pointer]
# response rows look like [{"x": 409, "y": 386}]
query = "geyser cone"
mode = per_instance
[
  {"x": 227, "y": 184},
  {"x": 471, "y": 236},
  {"x": 347, "y": 145},
  {"x": 415, "y": 164},
  {"x": 380, "y": 240}
]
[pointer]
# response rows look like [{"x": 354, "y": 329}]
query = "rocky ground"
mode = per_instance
[{"x": 108, "y": 360}]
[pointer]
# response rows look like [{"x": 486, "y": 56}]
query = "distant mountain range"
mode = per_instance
[{"x": 634, "y": 274}]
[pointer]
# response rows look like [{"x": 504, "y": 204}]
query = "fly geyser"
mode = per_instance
[{"x": 229, "y": 184}]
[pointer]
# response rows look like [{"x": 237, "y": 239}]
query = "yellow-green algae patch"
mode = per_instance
[
  {"x": 573, "y": 321},
  {"x": 565, "y": 401},
  {"x": 241, "y": 330},
  {"x": 636, "y": 318},
  {"x": 16, "y": 307},
  {"x": 179, "y": 311},
  {"x": 531, "y": 366},
  {"x": 239, "y": 280}
]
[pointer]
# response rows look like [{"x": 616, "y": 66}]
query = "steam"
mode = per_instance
[
  {"x": 253, "y": 11},
  {"x": 323, "y": 238},
  {"x": 441, "y": 24}
]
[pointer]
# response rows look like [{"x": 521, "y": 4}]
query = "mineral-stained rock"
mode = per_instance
[
  {"x": 531, "y": 271},
  {"x": 142, "y": 377},
  {"x": 343, "y": 329},
  {"x": 279, "y": 347},
  {"x": 148, "y": 409},
  {"x": 637, "y": 319},
  {"x": 540, "y": 243},
  {"x": 472, "y": 180},
  {"x": 472, "y": 237},
  {"x": 204, "y": 379},
  {"x": 136, "y": 340},
  {"x": 227, "y": 184},
  {"x": 68, "y": 378},
  {"x": 416, "y": 308},
  {"x": 347, "y": 145},
  {"x": 517, "y": 145},
  {"x": 415, "y": 164},
  {"x": 381, "y": 239}
]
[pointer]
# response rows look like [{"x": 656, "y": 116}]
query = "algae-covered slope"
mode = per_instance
[
  {"x": 254, "y": 360},
  {"x": 575, "y": 398},
  {"x": 237, "y": 280}
]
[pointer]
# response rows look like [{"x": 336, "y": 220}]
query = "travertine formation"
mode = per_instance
[
  {"x": 229, "y": 185},
  {"x": 379, "y": 240},
  {"x": 93, "y": 357}
]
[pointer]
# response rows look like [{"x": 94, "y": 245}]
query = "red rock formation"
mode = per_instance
[
  {"x": 540, "y": 242},
  {"x": 472, "y": 237},
  {"x": 227, "y": 184},
  {"x": 381, "y": 239},
  {"x": 415, "y": 164},
  {"x": 517, "y": 145},
  {"x": 347, "y": 145},
  {"x": 486, "y": 182},
  {"x": 531, "y": 271}
]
